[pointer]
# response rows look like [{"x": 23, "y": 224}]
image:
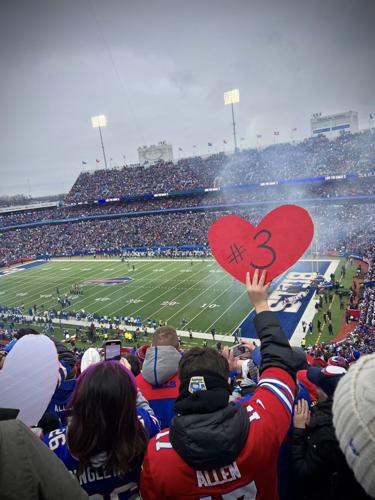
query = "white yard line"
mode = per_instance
[
  {"x": 204, "y": 309},
  {"x": 167, "y": 291},
  {"x": 149, "y": 285},
  {"x": 195, "y": 298},
  {"x": 59, "y": 284},
  {"x": 227, "y": 309},
  {"x": 22, "y": 285},
  {"x": 98, "y": 291}
]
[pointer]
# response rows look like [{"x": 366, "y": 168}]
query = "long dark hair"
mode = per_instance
[{"x": 104, "y": 418}]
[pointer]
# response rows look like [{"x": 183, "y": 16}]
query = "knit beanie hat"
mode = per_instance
[
  {"x": 338, "y": 361},
  {"x": 326, "y": 378},
  {"x": 354, "y": 420}
]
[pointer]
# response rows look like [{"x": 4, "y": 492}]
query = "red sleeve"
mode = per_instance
[
  {"x": 272, "y": 402},
  {"x": 150, "y": 481}
]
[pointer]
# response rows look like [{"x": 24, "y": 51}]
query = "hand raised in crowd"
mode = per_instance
[
  {"x": 228, "y": 355},
  {"x": 125, "y": 363},
  {"x": 249, "y": 344},
  {"x": 258, "y": 291},
  {"x": 301, "y": 414}
]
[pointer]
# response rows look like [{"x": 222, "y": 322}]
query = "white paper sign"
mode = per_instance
[{"x": 29, "y": 376}]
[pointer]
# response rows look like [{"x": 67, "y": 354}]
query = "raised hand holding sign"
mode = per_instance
[{"x": 278, "y": 241}]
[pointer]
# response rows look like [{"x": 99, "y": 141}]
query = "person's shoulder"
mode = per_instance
[
  {"x": 13, "y": 430},
  {"x": 160, "y": 447},
  {"x": 57, "y": 442}
]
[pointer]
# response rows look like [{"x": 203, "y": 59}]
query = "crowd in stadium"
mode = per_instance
[
  {"x": 342, "y": 228},
  {"x": 295, "y": 192},
  {"x": 276, "y": 422},
  {"x": 313, "y": 157}
]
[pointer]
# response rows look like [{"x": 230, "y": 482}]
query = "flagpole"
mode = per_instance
[{"x": 234, "y": 130}]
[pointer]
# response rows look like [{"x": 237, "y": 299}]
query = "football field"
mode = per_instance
[
  {"x": 194, "y": 295},
  {"x": 197, "y": 294}
]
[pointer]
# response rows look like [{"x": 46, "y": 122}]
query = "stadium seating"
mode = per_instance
[
  {"x": 334, "y": 179},
  {"x": 313, "y": 157}
]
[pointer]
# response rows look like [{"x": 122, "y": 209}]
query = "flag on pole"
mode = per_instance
[
  {"x": 209, "y": 144},
  {"x": 224, "y": 141},
  {"x": 294, "y": 129},
  {"x": 371, "y": 116},
  {"x": 259, "y": 136},
  {"x": 84, "y": 162},
  {"x": 180, "y": 149},
  {"x": 97, "y": 161},
  {"x": 242, "y": 138},
  {"x": 276, "y": 132}
]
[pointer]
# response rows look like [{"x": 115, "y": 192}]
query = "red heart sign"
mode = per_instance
[{"x": 279, "y": 240}]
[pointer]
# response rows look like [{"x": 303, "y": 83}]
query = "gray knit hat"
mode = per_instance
[{"x": 354, "y": 420}]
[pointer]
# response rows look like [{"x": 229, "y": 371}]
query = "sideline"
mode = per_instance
[{"x": 129, "y": 328}]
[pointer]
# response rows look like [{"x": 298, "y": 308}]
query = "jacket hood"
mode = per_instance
[
  {"x": 64, "y": 392},
  {"x": 210, "y": 440},
  {"x": 160, "y": 364}
]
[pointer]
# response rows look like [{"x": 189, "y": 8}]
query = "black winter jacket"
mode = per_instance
[
  {"x": 319, "y": 466},
  {"x": 214, "y": 439}
]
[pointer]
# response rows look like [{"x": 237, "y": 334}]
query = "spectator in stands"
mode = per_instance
[
  {"x": 215, "y": 448},
  {"x": 353, "y": 418},
  {"x": 104, "y": 442},
  {"x": 319, "y": 467},
  {"x": 29, "y": 470},
  {"x": 134, "y": 362},
  {"x": 159, "y": 382}
]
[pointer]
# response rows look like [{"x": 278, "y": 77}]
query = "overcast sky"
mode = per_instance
[{"x": 158, "y": 70}]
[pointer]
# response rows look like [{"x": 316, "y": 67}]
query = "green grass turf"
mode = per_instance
[
  {"x": 334, "y": 306},
  {"x": 168, "y": 290}
]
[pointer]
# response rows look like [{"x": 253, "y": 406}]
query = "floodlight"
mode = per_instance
[
  {"x": 98, "y": 121},
  {"x": 232, "y": 96}
]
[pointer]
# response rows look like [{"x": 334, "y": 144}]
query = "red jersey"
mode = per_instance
[{"x": 252, "y": 475}]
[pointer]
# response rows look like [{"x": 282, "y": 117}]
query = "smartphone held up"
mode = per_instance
[{"x": 112, "y": 350}]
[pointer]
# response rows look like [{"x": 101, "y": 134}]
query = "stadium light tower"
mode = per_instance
[
  {"x": 99, "y": 122},
  {"x": 232, "y": 97}
]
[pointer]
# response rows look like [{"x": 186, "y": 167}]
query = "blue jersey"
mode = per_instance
[
  {"x": 60, "y": 399},
  {"x": 99, "y": 480}
]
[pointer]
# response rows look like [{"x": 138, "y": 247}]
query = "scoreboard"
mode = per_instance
[
  {"x": 148, "y": 155},
  {"x": 332, "y": 125}
]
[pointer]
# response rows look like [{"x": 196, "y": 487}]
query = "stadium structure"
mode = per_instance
[{"x": 127, "y": 249}]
